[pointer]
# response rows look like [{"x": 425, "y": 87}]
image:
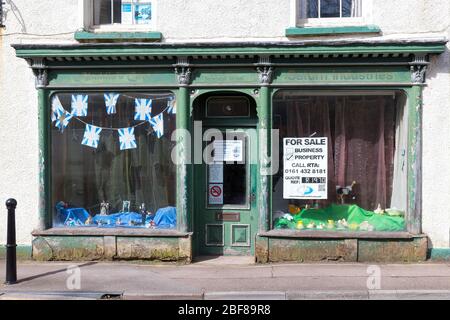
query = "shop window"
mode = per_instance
[
  {"x": 342, "y": 162},
  {"x": 111, "y": 160}
]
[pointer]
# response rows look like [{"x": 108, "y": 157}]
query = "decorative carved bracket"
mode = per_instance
[
  {"x": 265, "y": 70},
  {"x": 419, "y": 68},
  {"x": 183, "y": 71},
  {"x": 40, "y": 72}
]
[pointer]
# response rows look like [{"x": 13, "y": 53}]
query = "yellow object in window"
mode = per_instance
[{"x": 300, "y": 225}]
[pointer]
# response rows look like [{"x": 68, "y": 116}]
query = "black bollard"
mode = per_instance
[{"x": 11, "y": 263}]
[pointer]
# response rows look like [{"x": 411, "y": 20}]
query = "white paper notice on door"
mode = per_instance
[
  {"x": 228, "y": 150},
  {"x": 305, "y": 173},
  {"x": 216, "y": 173}
]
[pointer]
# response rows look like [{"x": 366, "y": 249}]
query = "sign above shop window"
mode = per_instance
[{"x": 305, "y": 173}]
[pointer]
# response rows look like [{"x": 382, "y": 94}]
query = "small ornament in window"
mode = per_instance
[
  {"x": 126, "y": 206},
  {"x": 143, "y": 212},
  {"x": 345, "y": 193},
  {"x": 378, "y": 210},
  {"x": 104, "y": 208}
]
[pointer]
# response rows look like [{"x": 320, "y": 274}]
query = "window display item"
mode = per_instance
[
  {"x": 88, "y": 221},
  {"x": 378, "y": 210},
  {"x": 395, "y": 212},
  {"x": 104, "y": 208},
  {"x": 311, "y": 225},
  {"x": 345, "y": 193},
  {"x": 330, "y": 224},
  {"x": 166, "y": 218},
  {"x": 366, "y": 226},
  {"x": 293, "y": 209},
  {"x": 143, "y": 212},
  {"x": 126, "y": 206},
  {"x": 300, "y": 225},
  {"x": 342, "y": 217},
  {"x": 69, "y": 216}
]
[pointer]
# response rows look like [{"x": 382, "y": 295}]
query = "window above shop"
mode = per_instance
[
  {"x": 328, "y": 17},
  {"x": 326, "y": 9},
  {"x": 113, "y": 20},
  {"x": 118, "y": 15}
]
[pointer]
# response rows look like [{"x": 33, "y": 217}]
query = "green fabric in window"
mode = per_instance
[{"x": 341, "y": 218}]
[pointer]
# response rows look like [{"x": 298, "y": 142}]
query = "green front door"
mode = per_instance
[{"x": 226, "y": 218}]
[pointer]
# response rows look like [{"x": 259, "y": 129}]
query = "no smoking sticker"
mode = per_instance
[{"x": 215, "y": 194}]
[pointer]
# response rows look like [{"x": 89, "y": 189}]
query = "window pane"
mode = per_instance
[
  {"x": 227, "y": 107},
  {"x": 226, "y": 174},
  {"x": 85, "y": 179},
  {"x": 363, "y": 185},
  {"x": 329, "y": 9},
  {"x": 312, "y": 8},
  {"x": 117, "y": 5},
  {"x": 347, "y": 8},
  {"x": 102, "y": 12}
]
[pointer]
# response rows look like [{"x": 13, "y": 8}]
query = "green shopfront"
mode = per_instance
[{"x": 286, "y": 151}]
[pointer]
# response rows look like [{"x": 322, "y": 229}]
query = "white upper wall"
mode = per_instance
[{"x": 209, "y": 20}]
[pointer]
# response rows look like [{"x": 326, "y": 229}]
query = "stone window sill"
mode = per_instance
[
  {"x": 128, "y": 232},
  {"x": 86, "y": 36},
  {"x": 327, "y": 31}
]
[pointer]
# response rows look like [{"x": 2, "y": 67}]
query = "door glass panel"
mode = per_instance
[{"x": 227, "y": 172}]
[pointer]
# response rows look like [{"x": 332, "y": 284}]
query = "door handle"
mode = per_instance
[{"x": 252, "y": 197}]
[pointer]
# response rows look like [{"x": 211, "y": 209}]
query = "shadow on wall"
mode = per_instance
[
  {"x": 439, "y": 64},
  {"x": 10, "y": 7}
]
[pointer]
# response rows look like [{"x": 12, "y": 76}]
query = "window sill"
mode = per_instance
[
  {"x": 85, "y": 36},
  {"x": 128, "y": 232},
  {"x": 308, "y": 234},
  {"x": 325, "y": 31}
]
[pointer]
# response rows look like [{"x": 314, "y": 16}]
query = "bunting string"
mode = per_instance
[{"x": 127, "y": 140}]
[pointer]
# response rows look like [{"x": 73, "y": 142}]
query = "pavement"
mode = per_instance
[{"x": 226, "y": 278}]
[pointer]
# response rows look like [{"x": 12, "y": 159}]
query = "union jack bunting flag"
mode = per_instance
[
  {"x": 111, "y": 102},
  {"x": 143, "y": 109},
  {"x": 79, "y": 105},
  {"x": 63, "y": 120},
  {"x": 91, "y": 136},
  {"x": 158, "y": 125},
  {"x": 127, "y": 139},
  {"x": 172, "y": 106},
  {"x": 57, "y": 108}
]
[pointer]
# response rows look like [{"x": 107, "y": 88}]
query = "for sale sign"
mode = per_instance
[{"x": 305, "y": 174}]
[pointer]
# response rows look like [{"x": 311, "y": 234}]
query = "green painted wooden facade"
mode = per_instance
[{"x": 258, "y": 70}]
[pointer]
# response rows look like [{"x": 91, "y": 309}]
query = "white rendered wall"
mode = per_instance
[{"x": 210, "y": 20}]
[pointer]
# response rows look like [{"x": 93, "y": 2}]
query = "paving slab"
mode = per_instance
[
  {"x": 245, "y": 295},
  {"x": 145, "y": 281},
  {"x": 328, "y": 295}
]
